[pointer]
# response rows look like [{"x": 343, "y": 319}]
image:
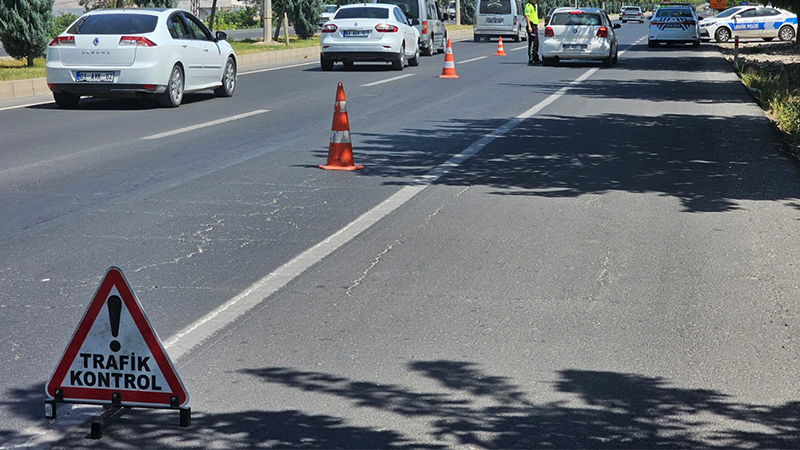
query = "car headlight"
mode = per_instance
[{"x": 703, "y": 25}]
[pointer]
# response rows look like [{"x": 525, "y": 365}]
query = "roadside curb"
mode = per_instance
[{"x": 33, "y": 87}]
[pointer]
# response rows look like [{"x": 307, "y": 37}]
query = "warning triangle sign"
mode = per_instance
[{"x": 116, "y": 353}]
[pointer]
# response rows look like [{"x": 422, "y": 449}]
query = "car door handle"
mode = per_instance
[
  {"x": 205, "y": 49},
  {"x": 183, "y": 45}
]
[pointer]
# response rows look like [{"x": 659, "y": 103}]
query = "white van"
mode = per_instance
[
  {"x": 495, "y": 18},
  {"x": 432, "y": 32}
]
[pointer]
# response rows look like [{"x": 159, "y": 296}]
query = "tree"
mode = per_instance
[
  {"x": 304, "y": 15},
  {"x": 211, "y": 17},
  {"x": 25, "y": 26}
]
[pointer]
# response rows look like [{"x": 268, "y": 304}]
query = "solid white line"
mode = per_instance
[
  {"x": 388, "y": 80},
  {"x": 203, "y": 125},
  {"x": 473, "y": 59},
  {"x": 25, "y": 106},
  {"x": 195, "y": 334},
  {"x": 277, "y": 68},
  {"x": 518, "y": 49}
]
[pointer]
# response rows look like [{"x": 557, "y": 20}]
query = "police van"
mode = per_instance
[{"x": 750, "y": 21}]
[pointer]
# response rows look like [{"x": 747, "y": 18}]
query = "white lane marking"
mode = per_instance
[
  {"x": 203, "y": 125},
  {"x": 388, "y": 80},
  {"x": 26, "y": 105},
  {"x": 518, "y": 49},
  {"x": 277, "y": 68},
  {"x": 195, "y": 334},
  {"x": 473, "y": 59}
]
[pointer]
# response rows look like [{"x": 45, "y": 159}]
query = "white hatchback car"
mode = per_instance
[
  {"x": 581, "y": 34},
  {"x": 631, "y": 14},
  {"x": 674, "y": 24},
  {"x": 369, "y": 32},
  {"x": 750, "y": 22},
  {"x": 139, "y": 53}
]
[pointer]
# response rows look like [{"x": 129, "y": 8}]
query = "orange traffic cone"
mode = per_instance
[
  {"x": 500, "y": 51},
  {"x": 340, "y": 151},
  {"x": 449, "y": 70}
]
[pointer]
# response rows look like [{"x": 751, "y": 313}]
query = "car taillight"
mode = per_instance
[
  {"x": 329, "y": 28},
  {"x": 424, "y": 27},
  {"x": 689, "y": 22},
  {"x": 656, "y": 23},
  {"x": 136, "y": 41},
  {"x": 602, "y": 32},
  {"x": 386, "y": 28},
  {"x": 548, "y": 32},
  {"x": 576, "y": 12},
  {"x": 62, "y": 40},
  {"x": 515, "y": 20}
]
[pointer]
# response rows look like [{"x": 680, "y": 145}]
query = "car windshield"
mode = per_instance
[
  {"x": 674, "y": 12},
  {"x": 410, "y": 7},
  {"x": 363, "y": 12},
  {"x": 728, "y": 12},
  {"x": 115, "y": 24},
  {"x": 495, "y": 7},
  {"x": 575, "y": 19}
]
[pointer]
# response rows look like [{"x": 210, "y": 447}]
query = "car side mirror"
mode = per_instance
[
  {"x": 617, "y": 25},
  {"x": 700, "y": 18},
  {"x": 414, "y": 22},
  {"x": 222, "y": 36}
]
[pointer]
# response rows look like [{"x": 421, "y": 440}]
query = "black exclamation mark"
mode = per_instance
[{"x": 114, "y": 311}]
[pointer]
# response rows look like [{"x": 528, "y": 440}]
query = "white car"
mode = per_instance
[
  {"x": 369, "y": 32},
  {"x": 674, "y": 24},
  {"x": 750, "y": 22},
  {"x": 580, "y": 34},
  {"x": 631, "y": 14},
  {"x": 327, "y": 14},
  {"x": 139, "y": 53}
]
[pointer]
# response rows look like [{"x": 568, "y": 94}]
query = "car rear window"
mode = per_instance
[
  {"x": 674, "y": 12},
  {"x": 575, "y": 19},
  {"x": 631, "y": 11},
  {"x": 409, "y": 7},
  {"x": 115, "y": 24},
  {"x": 495, "y": 7},
  {"x": 363, "y": 13}
]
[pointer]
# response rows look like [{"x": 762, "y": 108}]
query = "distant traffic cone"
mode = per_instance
[
  {"x": 449, "y": 69},
  {"x": 500, "y": 51},
  {"x": 340, "y": 151}
]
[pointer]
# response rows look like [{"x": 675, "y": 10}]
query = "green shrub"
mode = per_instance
[{"x": 61, "y": 22}]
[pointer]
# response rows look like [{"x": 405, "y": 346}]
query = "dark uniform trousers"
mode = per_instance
[{"x": 533, "y": 44}]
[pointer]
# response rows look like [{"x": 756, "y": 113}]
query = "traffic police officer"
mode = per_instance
[{"x": 532, "y": 17}]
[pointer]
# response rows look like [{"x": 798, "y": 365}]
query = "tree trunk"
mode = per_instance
[
  {"x": 30, "y": 61},
  {"x": 213, "y": 13},
  {"x": 280, "y": 22}
]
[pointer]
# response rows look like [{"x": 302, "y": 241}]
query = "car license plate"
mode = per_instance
[
  {"x": 494, "y": 20},
  {"x": 355, "y": 33},
  {"x": 673, "y": 25},
  {"x": 574, "y": 47},
  {"x": 94, "y": 77}
]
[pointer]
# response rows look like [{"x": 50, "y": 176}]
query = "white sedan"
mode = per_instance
[
  {"x": 373, "y": 32},
  {"x": 139, "y": 53},
  {"x": 581, "y": 34},
  {"x": 750, "y": 21}
]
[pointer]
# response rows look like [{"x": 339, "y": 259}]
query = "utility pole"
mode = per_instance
[
  {"x": 195, "y": 7},
  {"x": 458, "y": 12},
  {"x": 266, "y": 14}
]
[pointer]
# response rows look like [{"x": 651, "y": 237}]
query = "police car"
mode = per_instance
[
  {"x": 674, "y": 23},
  {"x": 750, "y": 21}
]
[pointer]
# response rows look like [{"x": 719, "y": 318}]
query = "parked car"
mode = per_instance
[
  {"x": 433, "y": 34},
  {"x": 451, "y": 10},
  {"x": 327, "y": 14},
  {"x": 580, "y": 34},
  {"x": 139, "y": 53},
  {"x": 495, "y": 18},
  {"x": 632, "y": 14},
  {"x": 674, "y": 24},
  {"x": 750, "y": 22},
  {"x": 548, "y": 15},
  {"x": 369, "y": 32}
]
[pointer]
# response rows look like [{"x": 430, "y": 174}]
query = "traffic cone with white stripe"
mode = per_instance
[
  {"x": 449, "y": 70},
  {"x": 340, "y": 151},
  {"x": 500, "y": 51}
]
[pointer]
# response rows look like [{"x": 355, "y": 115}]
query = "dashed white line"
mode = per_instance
[
  {"x": 26, "y": 105},
  {"x": 471, "y": 60},
  {"x": 206, "y": 124},
  {"x": 388, "y": 80},
  {"x": 277, "y": 68}
]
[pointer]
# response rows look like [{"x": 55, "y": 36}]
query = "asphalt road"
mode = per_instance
[{"x": 614, "y": 267}]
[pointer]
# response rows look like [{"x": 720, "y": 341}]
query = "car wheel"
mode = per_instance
[
  {"x": 325, "y": 63},
  {"x": 786, "y": 33},
  {"x": 400, "y": 62},
  {"x": 428, "y": 51},
  {"x": 696, "y": 43},
  {"x": 476, "y": 38},
  {"x": 414, "y": 61},
  {"x": 652, "y": 44},
  {"x": 173, "y": 96},
  {"x": 608, "y": 61},
  {"x": 228, "y": 80},
  {"x": 65, "y": 100},
  {"x": 516, "y": 36},
  {"x": 616, "y": 56},
  {"x": 624, "y": 21},
  {"x": 723, "y": 35},
  {"x": 444, "y": 44},
  {"x": 549, "y": 61}
]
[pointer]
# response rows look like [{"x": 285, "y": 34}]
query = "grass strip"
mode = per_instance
[{"x": 777, "y": 90}]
